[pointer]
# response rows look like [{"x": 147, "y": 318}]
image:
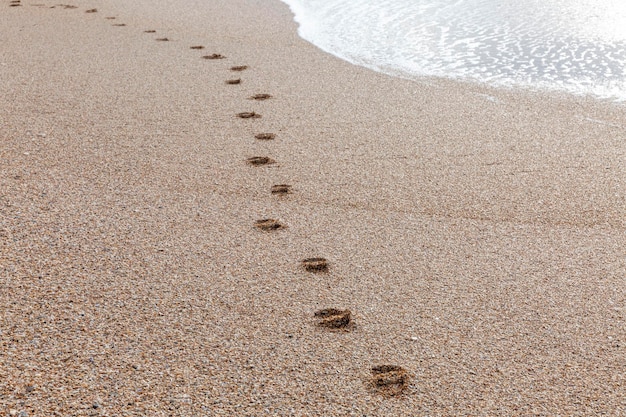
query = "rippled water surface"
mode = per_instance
[{"x": 577, "y": 46}]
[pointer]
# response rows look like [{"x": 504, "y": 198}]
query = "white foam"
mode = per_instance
[{"x": 577, "y": 46}]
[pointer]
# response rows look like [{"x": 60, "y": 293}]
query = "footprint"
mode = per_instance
[
  {"x": 281, "y": 189},
  {"x": 149, "y": 31},
  {"x": 91, "y": 11},
  {"x": 214, "y": 56},
  {"x": 196, "y": 47},
  {"x": 248, "y": 115},
  {"x": 235, "y": 81},
  {"x": 260, "y": 97},
  {"x": 268, "y": 225},
  {"x": 260, "y": 160},
  {"x": 162, "y": 39},
  {"x": 239, "y": 68},
  {"x": 389, "y": 379},
  {"x": 315, "y": 264},
  {"x": 334, "y": 319},
  {"x": 265, "y": 136}
]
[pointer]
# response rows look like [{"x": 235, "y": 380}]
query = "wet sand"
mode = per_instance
[{"x": 476, "y": 236}]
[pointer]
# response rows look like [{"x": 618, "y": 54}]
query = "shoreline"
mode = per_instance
[
  {"x": 477, "y": 243},
  {"x": 400, "y": 69}
]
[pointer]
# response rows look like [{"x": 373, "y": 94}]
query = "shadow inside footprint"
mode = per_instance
[
  {"x": 260, "y": 160},
  {"x": 214, "y": 56},
  {"x": 248, "y": 115},
  {"x": 239, "y": 68},
  {"x": 196, "y": 47},
  {"x": 315, "y": 264},
  {"x": 389, "y": 379},
  {"x": 233, "y": 82},
  {"x": 265, "y": 136},
  {"x": 260, "y": 97},
  {"x": 333, "y": 318},
  {"x": 281, "y": 189},
  {"x": 268, "y": 225}
]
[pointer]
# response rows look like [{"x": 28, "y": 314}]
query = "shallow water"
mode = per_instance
[{"x": 577, "y": 46}]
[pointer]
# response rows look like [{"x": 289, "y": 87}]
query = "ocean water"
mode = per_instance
[{"x": 574, "y": 46}]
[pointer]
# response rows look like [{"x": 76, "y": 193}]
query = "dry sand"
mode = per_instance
[{"x": 477, "y": 236}]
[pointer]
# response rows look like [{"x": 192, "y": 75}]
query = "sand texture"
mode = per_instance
[{"x": 475, "y": 236}]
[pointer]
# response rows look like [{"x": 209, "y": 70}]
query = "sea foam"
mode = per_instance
[{"x": 576, "y": 46}]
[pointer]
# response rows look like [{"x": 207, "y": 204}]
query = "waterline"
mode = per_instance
[{"x": 575, "y": 46}]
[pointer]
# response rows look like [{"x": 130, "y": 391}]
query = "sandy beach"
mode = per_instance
[{"x": 476, "y": 235}]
